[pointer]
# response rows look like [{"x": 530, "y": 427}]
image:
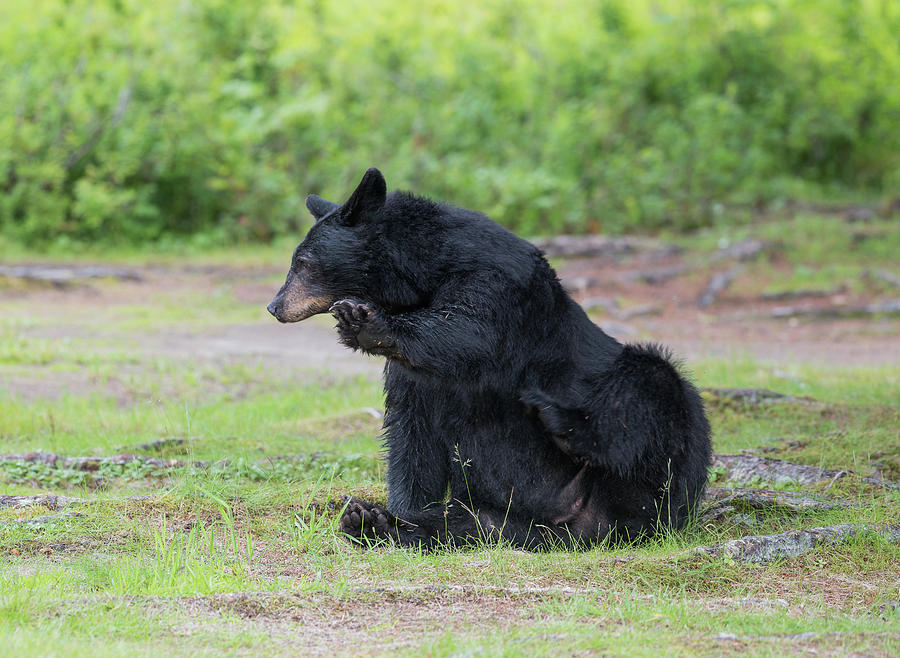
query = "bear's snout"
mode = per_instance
[{"x": 274, "y": 308}]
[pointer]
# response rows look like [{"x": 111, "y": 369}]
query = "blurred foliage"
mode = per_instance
[{"x": 128, "y": 121}]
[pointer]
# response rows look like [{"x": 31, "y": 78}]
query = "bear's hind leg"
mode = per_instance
[{"x": 454, "y": 525}]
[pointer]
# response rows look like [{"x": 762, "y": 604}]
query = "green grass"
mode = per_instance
[
  {"x": 240, "y": 556},
  {"x": 206, "y": 533},
  {"x": 263, "y": 424}
]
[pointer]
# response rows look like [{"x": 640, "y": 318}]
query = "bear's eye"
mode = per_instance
[{"x": 299, "y": 262}]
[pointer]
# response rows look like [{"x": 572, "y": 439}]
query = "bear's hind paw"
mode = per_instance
[{"x": 362, "y": 520}]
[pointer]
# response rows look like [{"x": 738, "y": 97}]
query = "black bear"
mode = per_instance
[{"x": 509, "y": 414}]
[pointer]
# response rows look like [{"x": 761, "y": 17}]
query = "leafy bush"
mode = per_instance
[{"x": 128, "y": 121}]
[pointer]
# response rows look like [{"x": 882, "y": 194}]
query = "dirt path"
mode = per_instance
[{"x": 102, "y": 313}]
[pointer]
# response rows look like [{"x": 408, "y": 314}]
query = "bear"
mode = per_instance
[{"x": 509, "y": 415}]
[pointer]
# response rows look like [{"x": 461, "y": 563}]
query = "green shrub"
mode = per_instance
[{"x": 122, "y": 120}]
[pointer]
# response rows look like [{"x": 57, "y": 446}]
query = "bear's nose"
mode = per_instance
[{"x": 272, "y": 308}]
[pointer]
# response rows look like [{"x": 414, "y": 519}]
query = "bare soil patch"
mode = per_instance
[
  {"x": 664, "y": 310},
  {"x": 735, "y": 322}
]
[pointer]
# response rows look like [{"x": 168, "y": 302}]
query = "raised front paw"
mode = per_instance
[
  {"x": 361, "y": 521},
  {"x": 362, "y": 326},
  {"x": 350, "y": 316}
]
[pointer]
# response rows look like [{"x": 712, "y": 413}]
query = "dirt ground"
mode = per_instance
[
  {"x": 216, "y": 315},
  {"x": 735, "y": 325},
  {"x": 738, "y": 323}
]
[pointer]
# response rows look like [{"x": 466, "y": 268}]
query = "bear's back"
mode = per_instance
[{"x": 456, "y": 240}]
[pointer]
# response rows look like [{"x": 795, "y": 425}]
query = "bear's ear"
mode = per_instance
[
  {"x": 366, "y": 200},
  {"x": 319, "y": 207}
]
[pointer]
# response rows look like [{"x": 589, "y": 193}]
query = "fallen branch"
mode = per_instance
[
  {"x": 767, "y": 548},
  {"x": 719, "y": 282},
  {"x": 741, "y": 505},
  {"x": 787, "y": 295},
  {"x": 94, "y": 463},
  {"x": 755, "y": 396},
  {"x": 742, "y": 251},
  {"x": 639, "y": 310},
  {"x": 764, "y": 499},
  {"x": 579, "y": 284},
  {"x": 48, "y": 501},
  {"x": 656, "y": 275},
  {"x": 889, "y": 307},
  {"x": 159, "y": 445},
  {"x": 884, "y": 275},
  {"x": 596, "y": 246},
  {"x": 52, "y": 502},
  {"x": 62, "y": 276},
  {"x": 749, "y": 468},
  {"x": 611, "y": 306},
  {"x": 42, "y": 521}
]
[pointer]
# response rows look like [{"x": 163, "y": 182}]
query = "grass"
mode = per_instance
[{"x": 240, "y": 555}]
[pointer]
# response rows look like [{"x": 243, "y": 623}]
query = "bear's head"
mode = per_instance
[{"x": 332, "y": 262}]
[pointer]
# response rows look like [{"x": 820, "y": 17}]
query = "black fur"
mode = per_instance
[{"x": 546, "y": 431}]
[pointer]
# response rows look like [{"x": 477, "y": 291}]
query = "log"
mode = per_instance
[
  {"x": 787, "y": 295},
  {"x": 761, "y": 549},
  {"x": 62, "y": 275},
  {"x": 656, "y": 275},
  {"x": 93, "y": 463},
  {"x": 889, "y": 307},
  {"x": 749, "y": 468},
  {"x": 763, "y": 499},
  {"x": 48, "y": 501},
  {"x": 597, "y": 246},
  {"x": 884, "y": 275},
  {"x": 755, "y": 396},
  {"x": 717, "y": 285},
  {"x": 741, "y": 251}
]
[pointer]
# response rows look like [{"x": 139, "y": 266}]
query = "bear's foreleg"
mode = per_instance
[{"x": 456, "y": 335}]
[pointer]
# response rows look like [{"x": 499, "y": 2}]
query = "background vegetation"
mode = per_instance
[{"x": 128, "y": 121}]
